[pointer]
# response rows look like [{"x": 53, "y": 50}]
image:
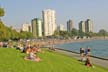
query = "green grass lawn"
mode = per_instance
[{"x": 11, "y": 60}]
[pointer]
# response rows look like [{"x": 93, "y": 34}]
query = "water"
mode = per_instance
[{"x": 98, "y": 48}]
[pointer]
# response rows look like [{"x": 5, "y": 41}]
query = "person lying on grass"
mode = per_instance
[{"x": 32, "y": 56}]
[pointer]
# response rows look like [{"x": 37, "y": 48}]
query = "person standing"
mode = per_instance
[{"x": 82, "y": 53}]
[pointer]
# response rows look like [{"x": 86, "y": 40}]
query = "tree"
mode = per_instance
[
  {"x": 24, "y": 34},
  {"x": 2, "y": 12},
  {"x": 74, "y": 32},
  {"x": 81, "y": 34},
  {"x": 64, "y": 34},
  {"x": 102, "y": 32},
  {"x": 90, "y": 34},
  {"x": 56, "y": 34},
  {"x": 7, "y": 33}
]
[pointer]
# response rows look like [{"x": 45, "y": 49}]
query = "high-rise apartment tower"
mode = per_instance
[
  {"x": 49, "y": 22},
  {"x": 69, "y": 25},
  {"x": 36, "y": 27}
]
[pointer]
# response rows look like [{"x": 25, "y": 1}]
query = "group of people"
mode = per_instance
[
  {"x": 7, "y": 44},
  {"x": 85, "y": 56},
  {"x": 31, "y": 51}
]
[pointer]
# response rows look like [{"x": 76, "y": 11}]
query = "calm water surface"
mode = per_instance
[{"x": 98, "y": 47}]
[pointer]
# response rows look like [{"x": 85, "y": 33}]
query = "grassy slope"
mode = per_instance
[{"x": 11, "y": 60}]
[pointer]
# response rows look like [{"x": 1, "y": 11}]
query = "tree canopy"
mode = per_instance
[
  {"x": 7, "y": 33},
  {"x": 2, "y": 12},
  {"x": 102, "y": 32}
]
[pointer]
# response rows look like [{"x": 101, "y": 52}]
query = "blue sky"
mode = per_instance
[{"x": 22, "y": 11}]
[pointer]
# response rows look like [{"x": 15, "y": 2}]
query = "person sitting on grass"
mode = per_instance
[
  {"x": 36, "y": 48},
  {"x": 88, "y": 63},
  {"x": 32, "y": 56},
  {"x": 28, "y": 50}
]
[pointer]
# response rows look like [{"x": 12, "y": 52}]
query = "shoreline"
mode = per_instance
[
  {"x": 62, "y": 41},
  {"x": 46, "y": 43},
  {"x": 95, "y": 60},
  {"x": 79, "y": 53}
]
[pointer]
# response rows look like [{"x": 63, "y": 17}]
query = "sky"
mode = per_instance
[{"x": 18, "y": 12}]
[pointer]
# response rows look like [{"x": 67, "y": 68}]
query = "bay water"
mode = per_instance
[{"x": 98, "y": 48}]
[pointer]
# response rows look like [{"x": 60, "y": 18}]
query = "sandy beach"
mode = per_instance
[{"x": 58, "y": 41}]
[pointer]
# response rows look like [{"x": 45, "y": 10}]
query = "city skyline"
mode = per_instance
[{"x": 18, "y": 12}]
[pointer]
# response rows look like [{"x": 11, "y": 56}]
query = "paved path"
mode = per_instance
[{"x": 100, "y": 62}]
